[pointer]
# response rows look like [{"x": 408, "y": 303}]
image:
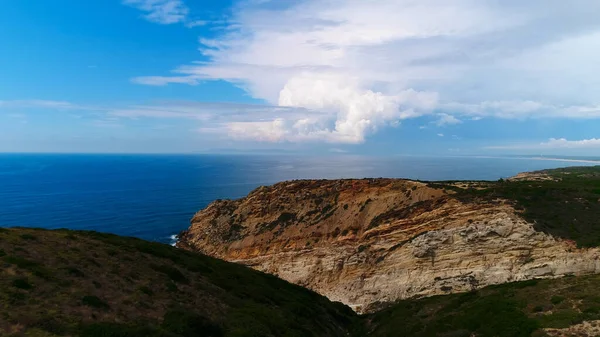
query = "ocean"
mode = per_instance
[{"x": 153, "y": 197}]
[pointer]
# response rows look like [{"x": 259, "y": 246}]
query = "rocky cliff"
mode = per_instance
[{"x": 371, "y": 241}]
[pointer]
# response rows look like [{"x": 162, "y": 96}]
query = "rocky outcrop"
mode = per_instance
[
  {"x": 584, "y": 329},
  {"x": 371, "y": 241}
]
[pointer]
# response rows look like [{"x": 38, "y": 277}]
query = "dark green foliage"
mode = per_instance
[
  {"x": 285, "y": 217},
  {"x": 455, "y": 315},
  {"x": 362, "y": 207},
  {"x": 122, "y": 330},
  {"x": 566, "y": 207},
  {"x": 512, "y": 309},
  {"x": 94, "y": 302},
  {"x": 557, "y": 299},
  {"x": 189, "y": 324},
  {"x": 21, "y": 283},
  {"x": 144, "y": 280},
  {"x": 173, "y": 273},
  {"x": 538, "y": 308},
  {"x": 283, "y": 220},
  {"x": 74, "y": 272},
  {"x": 403, "y": 212},
  {"x": 28, "y": 237},
  {"x": 146, "y": 290},
  {"x": 32, "y": 266}
]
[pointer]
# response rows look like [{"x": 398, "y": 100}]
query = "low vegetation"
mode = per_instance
[
  {"x": 129, "y": 287},
  {"x": 513, "y": 309},
  {"x": 567, "y": 205},
  {"x": 68, "y": 283}
]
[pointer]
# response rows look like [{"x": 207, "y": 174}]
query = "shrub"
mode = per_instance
[
  {"x": 27, "y": 236},
  {"x": 172, "y": 272},
  {"x": 21, "y": 283},
  {"x": 189, "y": 324},
  {"x": 74, "y": 272},
  {"x": 94, "y": 302},
  {"x": 121, "y": 330},
  {"x": 538, "y": 308},
  {"x": 31, "y": 266},
  {"x": 557, "y": 299},
  {"x": 146, "y": 290}
]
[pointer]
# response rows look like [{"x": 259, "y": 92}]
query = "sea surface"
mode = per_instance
[{"x": 153, "y": 197}]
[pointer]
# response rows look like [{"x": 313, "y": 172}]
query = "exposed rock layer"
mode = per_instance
[{"x": 371, "y": 241}]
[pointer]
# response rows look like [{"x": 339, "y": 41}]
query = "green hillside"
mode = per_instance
[
  {"x": 67, "y": 283},
  {"x": 567, "y": 205},
  {"x": 513, "y": 309}
]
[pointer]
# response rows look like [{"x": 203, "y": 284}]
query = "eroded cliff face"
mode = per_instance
[{"x": 371, "y": 241}]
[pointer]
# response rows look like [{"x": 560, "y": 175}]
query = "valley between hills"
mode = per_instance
[{"x": 367, "y": 257}]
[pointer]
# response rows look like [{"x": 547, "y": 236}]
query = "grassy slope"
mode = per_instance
[
  {"x": 568, "y": 207},
  {"x": 55, "y": 283},
  {"x": 514, "y": 309},
  {"x": 91, "y": 284}
]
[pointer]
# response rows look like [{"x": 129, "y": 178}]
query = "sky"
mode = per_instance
[{"x": 330, "y": 77}]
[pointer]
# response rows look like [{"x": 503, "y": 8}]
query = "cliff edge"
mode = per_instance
[{"x": 370, "y": 242}]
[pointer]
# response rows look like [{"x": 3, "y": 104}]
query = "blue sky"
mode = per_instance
[{"x": 310, "y": 76}]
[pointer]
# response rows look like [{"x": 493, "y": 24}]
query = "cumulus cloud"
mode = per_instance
[
  {"x": 365, "y": 65},
  {"x": 161, "y": 11}
]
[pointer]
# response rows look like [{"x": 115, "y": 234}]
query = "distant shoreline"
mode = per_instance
[{"x": 567, "y": 160}]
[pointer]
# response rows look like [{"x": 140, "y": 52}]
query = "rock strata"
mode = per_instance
[{"x": 372, "y": 241}]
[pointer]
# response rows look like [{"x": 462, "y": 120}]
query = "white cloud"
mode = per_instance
[
  {"x": 552, "y": 143},
  {"x": 197, "y": 23},
  {"x": 367, "y": 65},
  {"x": 440, "y": 135},
  {"x": 522, "y": 110},
  {"x": 38, "y": 104},
  {"x": 571, "y": 144},
  {"x": 446, "y": 119},
  {"x": 162, "y": 80},
  {"x": 161, "y": 11}
]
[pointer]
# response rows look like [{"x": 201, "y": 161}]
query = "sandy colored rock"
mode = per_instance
[
  {"x": 372, "y": 241},
  {"x": 584, "y": 329}
]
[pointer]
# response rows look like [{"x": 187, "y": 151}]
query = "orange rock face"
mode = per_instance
[{"x": 371, "y": 241}]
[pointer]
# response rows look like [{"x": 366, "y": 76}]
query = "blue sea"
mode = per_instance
[{"x": 153, "y": 197}]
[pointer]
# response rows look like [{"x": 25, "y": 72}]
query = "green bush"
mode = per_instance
[
  {"x": 173, "y": 273},
  {"x": 557, "y": 299},
  {"x": 21, "y": 283},
  {"x": 94, "y": 302},
  {"x": 28, "y": 236},
  {"x": 146, "y": 290},
  {"x": 189, "y": 324}
]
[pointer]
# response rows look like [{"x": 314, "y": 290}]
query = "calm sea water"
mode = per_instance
[{"x": 154, "y": 196}]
